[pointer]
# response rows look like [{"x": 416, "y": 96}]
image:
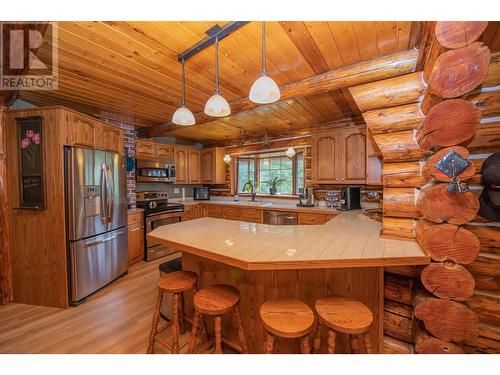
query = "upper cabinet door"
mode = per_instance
[
  {"x": 325, "y": 155},
  {"x": 181, "y": 165},
  {"x": 165, "y": 152},
  {"x": 85, "y": 131},
  {"x": 353, "y": 167},
  {"x": 207, "y": 166},
  {"x": 144, "y": 149},
  {"x": 111, "y": 139},
  {"x": 194, "y": 166}
]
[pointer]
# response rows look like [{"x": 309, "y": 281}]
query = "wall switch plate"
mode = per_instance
[{"x": 176, "y": 190}]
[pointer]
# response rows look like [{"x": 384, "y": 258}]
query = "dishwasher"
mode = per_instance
[{"x": 280, "y": 217}]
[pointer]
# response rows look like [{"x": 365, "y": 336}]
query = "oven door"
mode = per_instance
[{"x": 154, "y": 249}]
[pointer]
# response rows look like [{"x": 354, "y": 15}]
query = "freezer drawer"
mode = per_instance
[{"x": 96, "y": 261}]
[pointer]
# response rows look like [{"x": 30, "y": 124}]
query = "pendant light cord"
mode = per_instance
[
  {"x": 216, "y": 65},
  {"x": 182, "y": 90},
  {"x": 263, "y": 46}
]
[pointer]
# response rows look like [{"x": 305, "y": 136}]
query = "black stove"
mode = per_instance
[{"x": 157, "y": 202}]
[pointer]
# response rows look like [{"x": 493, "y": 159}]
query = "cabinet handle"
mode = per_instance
[{"x": 136, "y": 229}]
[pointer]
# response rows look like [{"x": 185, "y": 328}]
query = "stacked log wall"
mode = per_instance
[{"x": 395, "y": 112}]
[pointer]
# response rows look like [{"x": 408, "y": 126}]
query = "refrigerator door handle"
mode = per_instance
[
  {"x": 111, "y": 194},
  {"x": 104, "y": 193}
]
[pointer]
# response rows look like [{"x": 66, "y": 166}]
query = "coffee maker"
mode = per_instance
[{"x": 350, "y": 198}]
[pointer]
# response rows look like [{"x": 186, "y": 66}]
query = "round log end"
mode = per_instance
[
  {"x": 448, "y": 280},
  {"x": 431, "y": 172},
  {"x": 459, "y": 71},
  {"x": 436, "y": 204},
  {"x": 445, "y": 242},
  {"x": 457, "y": 34},
  {"x": 449, "y": 123}
]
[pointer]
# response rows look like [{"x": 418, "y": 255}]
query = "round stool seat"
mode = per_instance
[
  {"x": 216, "y": 299},
  {"x": 344, "y": 314},
  {"x": 176, "y": 282},
  {"x": 289, "y": 318}
]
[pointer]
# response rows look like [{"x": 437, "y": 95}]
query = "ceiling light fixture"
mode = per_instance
[
  {"x": 183, "y": 116},
  {"x": 227, "y": 159},
  {"x": 264, "y": 90},
  {"x": 290, "y": 152},
  {"x": 217, "y": 106}
]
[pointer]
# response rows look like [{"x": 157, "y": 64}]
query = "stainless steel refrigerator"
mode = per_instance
[{"x": 96, "y": 219}]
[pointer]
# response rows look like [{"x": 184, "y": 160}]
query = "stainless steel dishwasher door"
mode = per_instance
[{"x": 280, "y": 217}]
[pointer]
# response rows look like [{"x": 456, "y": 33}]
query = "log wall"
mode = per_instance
[{"x": 439, "y": 108}]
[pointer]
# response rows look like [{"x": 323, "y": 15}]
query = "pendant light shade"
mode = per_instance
[
  {"x": 217, "y": 106},
  {"x": 227, "y": 159},
  {"x": 290, "y": 152},
  {"x": 183, "y": 116},
  {"x": 264, "y": 90}
]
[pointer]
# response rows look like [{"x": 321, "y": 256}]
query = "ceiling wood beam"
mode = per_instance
[{"x": 364, "y": 72}]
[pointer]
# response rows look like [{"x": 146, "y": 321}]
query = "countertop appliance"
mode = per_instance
[
  {"x": 280, "y": 217},
  {"x": 350, "y": 198},
  {"x": 96, "y": 219},
  {"x": 306, "y": 197},
  {"x": 157, "y": 212},
  {"x": 154, "y": 171},
  {"x": 201, "y": 194}
]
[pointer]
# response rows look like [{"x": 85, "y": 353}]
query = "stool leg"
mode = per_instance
[
  {"x": 154, "y": 325},
  {"x": 269, "y": 345},
  {"x": 204, "y": 328},
  {"x": 194, "y": 332},
  {"x": 304, "y": 345},
  {"x": 218, "y": 335},
  {"x": 181, "y": 314},
  {"x": 175, "y": 324},
  {"x": 361, "y": 343},
  {"x": 241, "y": 332},
  {"x": 331, "y": 341},
  {"x": 317, "y": 338},
  {"x": 367, "y": 342},
  {"x": 354, "y": 344}
]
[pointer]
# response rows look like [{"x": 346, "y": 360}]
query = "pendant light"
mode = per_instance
[
  {"x": 227, "y": 158},
  {"x": 290, "y": 152},
  {"x": 183, "y": 116},
  {"x": 264, "y": 90},
  {"x": 217, "y": 106}
]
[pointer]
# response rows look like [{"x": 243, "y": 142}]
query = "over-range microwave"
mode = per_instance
[{"x": 154, "y": 171}]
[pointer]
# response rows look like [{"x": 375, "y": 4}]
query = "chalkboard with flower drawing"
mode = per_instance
[{"x": 31, "y": 162}]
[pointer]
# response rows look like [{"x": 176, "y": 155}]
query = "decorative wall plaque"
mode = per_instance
[{"x": 31, "y": 173}]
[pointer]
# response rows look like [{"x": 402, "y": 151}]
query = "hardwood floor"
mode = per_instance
[{"x": 116, "y": 319}]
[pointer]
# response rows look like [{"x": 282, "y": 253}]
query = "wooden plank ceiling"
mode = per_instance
[{"x": 129, "y": 70}]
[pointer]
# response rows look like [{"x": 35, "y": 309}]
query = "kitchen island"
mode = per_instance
[{"x": 344, "y": 256}]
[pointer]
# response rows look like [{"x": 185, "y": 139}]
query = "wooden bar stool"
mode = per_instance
[
  {"x": 287, "y": 318},
  {"x": 344, "y": 315},
  {"x": 175, "y": 283},
  {"x": 217, "y": 300}
]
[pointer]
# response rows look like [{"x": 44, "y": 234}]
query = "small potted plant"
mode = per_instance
[{"x": 273, "y": 184}]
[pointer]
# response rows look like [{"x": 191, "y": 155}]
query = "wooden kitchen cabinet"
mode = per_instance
[
  {"x": 85, "y": 130},
  {"x": 164, "y": 151},
  {"x": 231, "y": 213},
  {"x": 253, "y": 215},
  {"x": 144, "y": 149},
  {"x": 311, "y": 218},
  {"x": 135, "y": 237},
  {"x": 213, "y": 211},
  {"x": 181, "y": 160},
  {"x": 111, "y": 139},
  {"x": 338, "y": 156},
  {"x": 194, "y": 166},
  {"x": 213, "y": 168}
]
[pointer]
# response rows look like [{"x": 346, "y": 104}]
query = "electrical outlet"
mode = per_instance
[{"x": 176, "y": 190}]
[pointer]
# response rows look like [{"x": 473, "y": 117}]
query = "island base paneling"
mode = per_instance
[{"x": 256, "y": 287}]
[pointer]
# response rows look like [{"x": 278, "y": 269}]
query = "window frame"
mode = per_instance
[{"x": 256, "y": 157}]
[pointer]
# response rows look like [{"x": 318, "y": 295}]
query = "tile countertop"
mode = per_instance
[
  {"x": 346, "y": 241},
  {"x": 259, "y": 204}
]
